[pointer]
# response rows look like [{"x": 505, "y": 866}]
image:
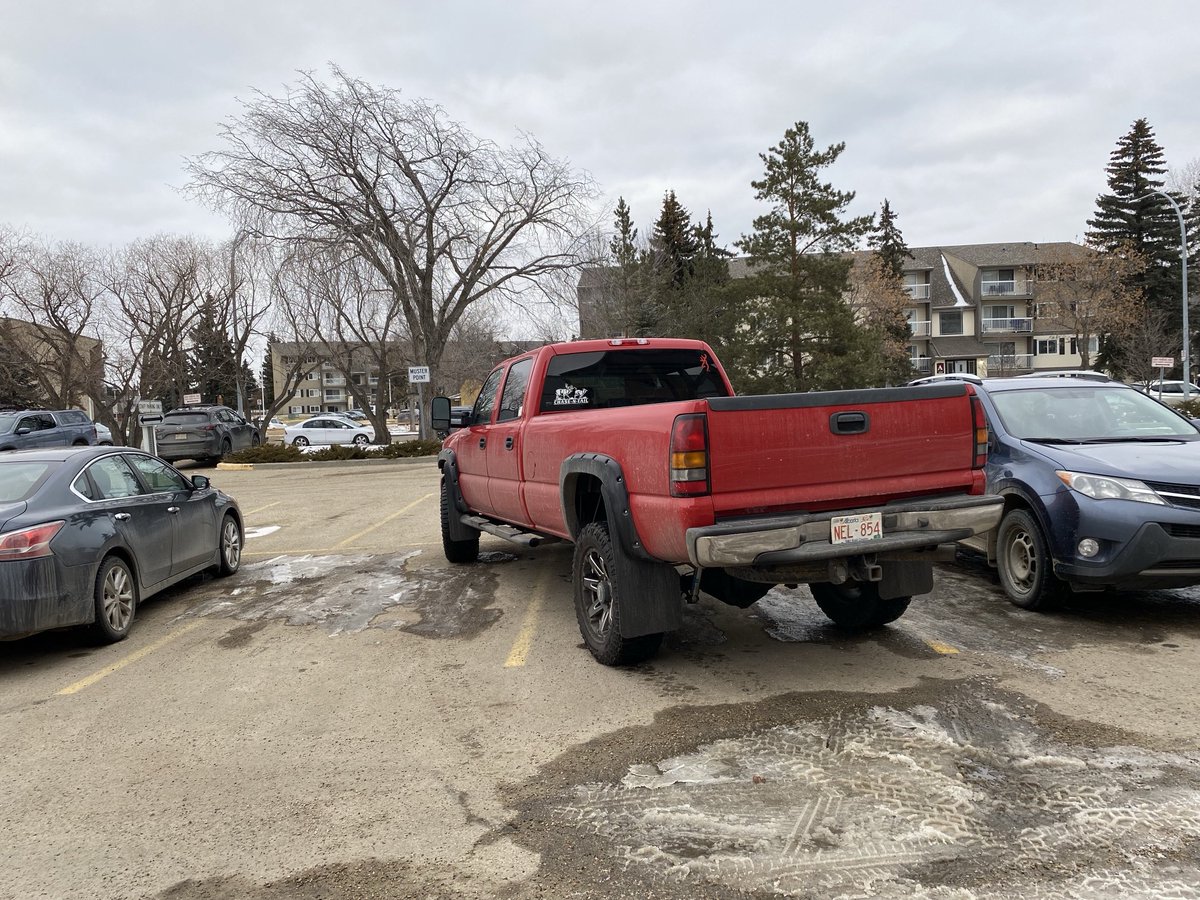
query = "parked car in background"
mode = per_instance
[
  {"x": 327, "y": 429},
  {"x": 1101, "y": 489},
  {"x": 357, "y": 415},
  {"x": 88, "y": 533},
  {"x": 103, "y": 435},
  {"x": 32, "y": 428},
  {"x": 203, "y": 433},
  {"x": 1171, "y": 392}
]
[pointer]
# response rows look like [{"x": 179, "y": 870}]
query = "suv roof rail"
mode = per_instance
[
  {"x": 952, "y": 376},
  {"x": 1087, "y": 374}
]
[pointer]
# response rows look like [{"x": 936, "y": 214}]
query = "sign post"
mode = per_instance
[
  {"x": 419, "y": 375},
  {"x": 149, "y": 415},
  {"x": 1162, "y": 363}
]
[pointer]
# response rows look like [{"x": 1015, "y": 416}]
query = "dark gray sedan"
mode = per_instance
[{"x": 87, "y": 533}]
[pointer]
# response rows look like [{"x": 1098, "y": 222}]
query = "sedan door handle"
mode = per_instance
[
  {"x": 172, "y": 509},
  {"x": 482, "y": 443},
  {"x": 508, "y": 442},
  {"x": 121, "y": 517}
]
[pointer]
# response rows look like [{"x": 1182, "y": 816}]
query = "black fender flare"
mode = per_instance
[
  {"x": 448, "y": 463},
  {"x": 613, "y": 489}
]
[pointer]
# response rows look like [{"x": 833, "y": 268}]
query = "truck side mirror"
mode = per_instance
[{"x": 439, "y": 408}]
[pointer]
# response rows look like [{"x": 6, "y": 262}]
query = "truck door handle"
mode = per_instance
[
  {"x": 849, "y": 423},
  {"x": 482, "y": 443},
  {"x": 508, "y": 442},
  {"x": 121, "y": 517}
]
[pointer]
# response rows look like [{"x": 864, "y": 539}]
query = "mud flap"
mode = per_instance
[
  {"x": 651, "y": 599},
  {"x": 456, "y": 530},
  {"x": 905, "y": 579}
]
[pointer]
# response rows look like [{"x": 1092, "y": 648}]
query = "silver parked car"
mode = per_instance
[{"x": 327, "y": 430}]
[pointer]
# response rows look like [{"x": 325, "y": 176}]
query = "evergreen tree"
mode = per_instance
[
  {"x": 212, "y": 364},
  {"x": 1132, "y": 217},
  {"x": 623, "y": 245},
  {"x": 699, "y": 307},
  {"x": 797, "y": 333},
  {"x": 674, "y": 242},
  {"x": 268, "y": 375},
  {"x": 888, "y": 242}
]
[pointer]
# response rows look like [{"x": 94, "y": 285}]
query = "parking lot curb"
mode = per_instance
[
  {"x": 305, "y": 465},
  {"x": 235, "y": 467}
]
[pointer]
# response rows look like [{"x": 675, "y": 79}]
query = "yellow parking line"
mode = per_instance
[
  {"x": 261, "y": 508},
  {"x": 939, "y": 647},
  {"x": 128, "y": 660},
  {"x": 286, "y": 552},
  {"x": 370, "y": 528},
  {"x": 520, "y": 648}
]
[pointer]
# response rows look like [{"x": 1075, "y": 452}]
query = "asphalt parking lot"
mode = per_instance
[{"x": 351, "y": 716}]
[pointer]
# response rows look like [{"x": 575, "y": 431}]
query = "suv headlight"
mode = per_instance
[{"x": 1102, "y": 487}]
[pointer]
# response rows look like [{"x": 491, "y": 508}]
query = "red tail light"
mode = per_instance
[
  {"x": 29, "y": 543},
  {"x": 689, "y": 456},
  {"x": 979, "y": 425}
]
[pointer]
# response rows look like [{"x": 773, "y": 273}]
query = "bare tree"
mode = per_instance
[
  {"x": 445, "y": 218},
  {"x": 50, "y": 292},
  {"x": 1151, "y": 335},
  {"x": 1088, "y": 293}
]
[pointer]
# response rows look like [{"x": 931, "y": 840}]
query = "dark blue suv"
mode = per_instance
[{"x": 1101, "y": 486}]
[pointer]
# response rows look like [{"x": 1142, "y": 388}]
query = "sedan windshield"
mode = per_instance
[
  {"x": 19, "y": 480},
  {"x": 1076, "y": 414}
]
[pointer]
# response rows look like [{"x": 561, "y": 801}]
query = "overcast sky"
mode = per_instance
[{"x": 979, "y": 121}]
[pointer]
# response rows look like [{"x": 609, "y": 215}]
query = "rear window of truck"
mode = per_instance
[{"x": 606, "y": 379}]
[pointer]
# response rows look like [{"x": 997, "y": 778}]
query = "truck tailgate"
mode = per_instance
[{"x": 831, "y": 449}]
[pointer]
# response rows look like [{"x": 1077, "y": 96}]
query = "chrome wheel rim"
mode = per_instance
[
  {"x": 118, "y": 598},
  {"x": 231, "y": 544},
  {"x": 360, "y": 439},
  {"x": 597, "y": 593}
]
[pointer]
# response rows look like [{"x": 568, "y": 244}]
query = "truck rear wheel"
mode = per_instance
[
  {"x": 856, "y": 605},
  {"x": 598, "y": 599},
  {"x": 457, "y": 551}
]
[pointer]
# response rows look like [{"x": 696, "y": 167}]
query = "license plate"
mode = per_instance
[
  {"x": 862, "y": 527},
  {"x": 181, "y": 437}
]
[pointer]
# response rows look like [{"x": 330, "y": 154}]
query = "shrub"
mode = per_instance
[
  {"x": 265, "y": 453},
  {"x": 1190, "y": 408},
  {"x": 287, "y": 453}
]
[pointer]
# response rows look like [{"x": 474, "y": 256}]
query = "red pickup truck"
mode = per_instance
[{"x": 638, "y": 452}]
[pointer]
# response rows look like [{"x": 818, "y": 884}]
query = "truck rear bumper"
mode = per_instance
[{"x": 793, "y": 539}]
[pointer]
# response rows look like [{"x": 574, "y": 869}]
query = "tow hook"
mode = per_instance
[
  {"x": 691, "y": 587},
  {"x": 856, "y": 568}
]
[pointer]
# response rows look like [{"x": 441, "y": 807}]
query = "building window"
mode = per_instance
[{"x": 950, "y": 322}]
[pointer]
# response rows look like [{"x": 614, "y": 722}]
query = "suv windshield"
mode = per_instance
[
  {"x": 604, "y": 379},
  {"x": 1087, "y": 414}
]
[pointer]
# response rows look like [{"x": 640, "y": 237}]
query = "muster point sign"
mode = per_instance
[{"x": 418, "y": 374}]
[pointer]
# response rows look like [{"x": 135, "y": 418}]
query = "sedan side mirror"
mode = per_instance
[{"x": 200, "y": 483}]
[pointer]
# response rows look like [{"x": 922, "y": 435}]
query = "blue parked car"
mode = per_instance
[{"x": 1101, "y": 486}]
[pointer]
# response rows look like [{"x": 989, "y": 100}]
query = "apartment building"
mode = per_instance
[
  {"x": 974, "y": 309},
  {"x": 317, "y": 378}
]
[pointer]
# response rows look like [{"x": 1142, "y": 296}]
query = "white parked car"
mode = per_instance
[
  {"x": 1171, "y": 392},
  {"x": 327, "y": 430}
]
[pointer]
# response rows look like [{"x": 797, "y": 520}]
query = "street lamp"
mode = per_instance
[{"x": 1183, "y": 255}]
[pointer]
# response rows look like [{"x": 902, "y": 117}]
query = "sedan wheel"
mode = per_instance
[
  {"x": 231, "y": 546},
  {"x": 115, "y": 599},
  {"x": 300, "y": 441},
  {"x": 361, "y": 440}
]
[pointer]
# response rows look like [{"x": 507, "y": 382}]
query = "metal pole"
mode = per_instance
[{"x": 1183, "y": 255}]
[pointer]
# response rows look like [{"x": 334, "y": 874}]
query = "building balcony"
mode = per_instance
[
  {"x": 922, "y": 365},
  {"x": 1013, "y": 287},
  {"x": 1009, "y": 363},
  {"x": 334, "y": 381},
  {"x": 334, "y": 396},
  {"x": 1009, "y": 326},
  {"x": 920, "y": 329},
  {"x": 917, "y": 291}
]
